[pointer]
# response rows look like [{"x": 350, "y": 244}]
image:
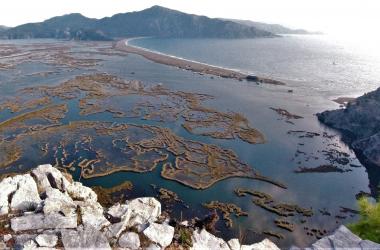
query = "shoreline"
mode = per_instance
[{"x": 197, "y": 67}]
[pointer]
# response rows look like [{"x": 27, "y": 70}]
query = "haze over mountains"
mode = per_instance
[
  {"x": 2, "y": 28},
  {"x": 273, "y": 28},
  {"x": 155, "y": 21}
]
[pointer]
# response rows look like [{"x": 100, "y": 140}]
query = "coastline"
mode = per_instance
[{"x": 197, "y": 67}]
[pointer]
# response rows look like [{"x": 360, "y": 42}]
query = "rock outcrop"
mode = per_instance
[
  {"x": 359, "y": 123},
  {"x": 51, "y": 211},
  {"x": 47, "y": 209}
]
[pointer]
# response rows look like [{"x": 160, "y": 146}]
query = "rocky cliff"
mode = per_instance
[
  {"x": 359, "y": 123},
  {"x": 45, "y": 209}
]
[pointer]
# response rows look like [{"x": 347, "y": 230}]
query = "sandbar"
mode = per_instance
[{"x": 194, "y": 66}]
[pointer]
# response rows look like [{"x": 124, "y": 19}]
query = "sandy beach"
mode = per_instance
[{"x": 200, "y": 68}]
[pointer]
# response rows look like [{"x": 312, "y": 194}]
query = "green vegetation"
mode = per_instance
[
  {"x": 185, "y": 237},
  {"x": 368, "y": 227}
]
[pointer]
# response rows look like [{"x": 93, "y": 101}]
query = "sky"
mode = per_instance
[{"x": 341, "y": 17}]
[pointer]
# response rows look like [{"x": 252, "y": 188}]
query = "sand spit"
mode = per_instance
[{"x": 197, "y": 67}]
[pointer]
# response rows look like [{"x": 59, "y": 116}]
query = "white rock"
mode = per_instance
[
  {"x": 92, "y": 214},
  {"x": 367, "y": 244},
  {"x": 265, "y": 244},
  {"x": 21, "y": 239},
  {"x": 7, "y": 237},
  {"x": 342, "y": 238},
  {"x": 56, "y": 194},
  {"x": 84, "y": 237},
  {"x": 46, "y": 240},
  {"x": 160, "y": 233},
  {"x": 79, "y": 192},
  {"x": 7, "y": 186},
  {"x": 184, "y": 223},
  {"x": 153, "y": 247},
  {"x": 136, "y": 213},
  {"x": 142, "y": 211},
  {"x": 41, "y": 221},
  {"x": 57, "y": 201},
  {"x": 118, "y": 210},
  {"x": 234, "y": 244},
  {"x": 204, "y": 240},
  {"x": 26, "y": 196},
  {"x": 114, "y": 230},
  {"x": 49, "y": 177},
  {"x": 29, "y": 245},
  {"x": 3, "y": 245},
  {"x": 129, "y": 240}
]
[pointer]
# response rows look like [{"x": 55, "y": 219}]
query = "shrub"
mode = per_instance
[{"x": 368, "y": 226}]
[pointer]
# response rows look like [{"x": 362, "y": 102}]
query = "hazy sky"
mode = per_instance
[{"x": 330, "y": 16}]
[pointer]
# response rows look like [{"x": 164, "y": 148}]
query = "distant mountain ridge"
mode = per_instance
[
  {"x": 2, "y": 28},
  {"x": 155, "y": 21},
  {"x": 272, "y": 28}
]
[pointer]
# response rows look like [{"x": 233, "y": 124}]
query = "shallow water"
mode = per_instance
[{"x": 274, "y": 159}]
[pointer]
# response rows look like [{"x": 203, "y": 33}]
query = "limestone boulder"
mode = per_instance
[
  {"x": 30, "y": 245},
  {"x": 142, "y": 211},
  {"x": 113, "y": 231},
  {"x": 153, "y": 246},
  {"x": 204, "y": 240},
  {"x": 161, "y": 234},
  {"x": 118, "y": 210},
  {"x": 136, "y": 213},
  {"x": 26, "y": 197},
  {"x": 42, "y": 221},
  {"x": 47, "y": 240},
  {"x": 84, "y": 238},
  {"x": 49, "y": 177},
  {"x": 265, "y": 244},
  {"x": 23, "y": 191},
  {"x": 57, "y": 201},
  {"x": 129, "y": 240},
  {"x": 79, "y": 192},
  {"x": 343, "y": 238},
  {"x": 7, "y": 187},
  {"x": 21, "y": 239},
  {"x": 93, "y": 215},
  {"x": 234, "y": 244}
]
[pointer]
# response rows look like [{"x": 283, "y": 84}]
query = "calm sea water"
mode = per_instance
[
  {"x": 318, "y": 63},
  {"x": 306, "y": 64}
]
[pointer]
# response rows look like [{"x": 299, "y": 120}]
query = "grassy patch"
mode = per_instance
[{"x": 368, "y": 226}]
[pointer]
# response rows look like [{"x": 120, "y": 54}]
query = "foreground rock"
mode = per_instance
[
  {"x": 204, "y": 240},
  {"x": 129, "y": 240},
  {"x": 51, "y": 211},
  {"x": 343, "y": 238}
]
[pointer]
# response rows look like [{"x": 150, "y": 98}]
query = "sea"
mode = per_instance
[{"x": 316, "y": 70}]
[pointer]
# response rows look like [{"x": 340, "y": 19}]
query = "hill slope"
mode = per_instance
[
  {"x": 155, "y": 21},
  {"x": 272, "y": 28},
  {"x": 2, "y": 28},
  {"x": 72, "y": 26}
]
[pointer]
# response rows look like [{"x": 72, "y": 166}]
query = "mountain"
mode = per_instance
[
  {"x": 2, "y": 28},
  {"x": 156, "y": 21},
  {"x": 272, "y": 28},
  {"x": 72, "y": 26}
]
